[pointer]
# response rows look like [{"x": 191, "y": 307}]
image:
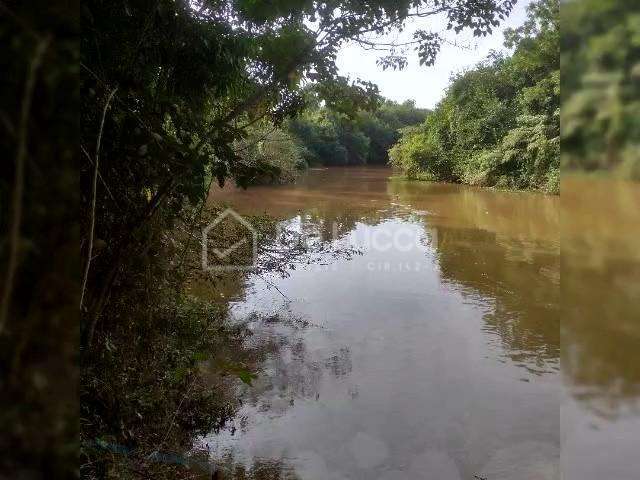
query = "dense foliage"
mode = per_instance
[
  {"x": 177, "y": 95},
  {"x": 177, "y": 83},
  {"x": 171, "y": 88},
  {"x": 324, "y": 136},
  {"x": 363, "y": 137},
  {"x": 499, "y": 122},
  {"x": 601, "y": 86},
  {"x": 272, "y": 153}
]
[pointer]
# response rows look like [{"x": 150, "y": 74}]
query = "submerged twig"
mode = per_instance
[{"x": 271, "y": 284}]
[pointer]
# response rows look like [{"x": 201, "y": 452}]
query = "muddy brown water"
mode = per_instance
[
  {"x": 435, "y": 354},
  {"x": 600, "y": 340}
]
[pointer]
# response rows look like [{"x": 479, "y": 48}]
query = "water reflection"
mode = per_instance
[
  {"x": 437, "y": 361},
  {"x": 509, "y": 253},
  {"x": 291, "y": 371},
  {"x": 259, "y": 469},
  {"x": 601, "y": 286},
  {"x": 601, "y": 328},
  {"x": 526, "y": 323}
]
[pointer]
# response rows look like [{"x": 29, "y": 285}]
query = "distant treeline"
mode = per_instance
[
  {"x": 323, "y": 135},
  {"x": 359, "y": 138},
  {"x": 499, "y": 123}
]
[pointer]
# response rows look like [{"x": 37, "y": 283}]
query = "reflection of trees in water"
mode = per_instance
[
  {"x": 521, "y": 278},
  {"x": 288, "y": 371},
  {"x": 328, "y": 226},
  {"x": 509, "y": 214},
  {"x": 601, "y": 293},
  {"x": 601, "y": 333},
  {"x": 260, "y": 469},
  {"x": 521, "y": 275},
  {"x": 499, "y": 245}
]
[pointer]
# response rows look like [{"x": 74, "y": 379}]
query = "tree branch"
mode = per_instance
[
  {"x": 18, "y": 188},
  {"x": 94, "y": 189}
]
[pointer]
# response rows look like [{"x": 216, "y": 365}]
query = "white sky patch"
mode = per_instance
[{"x": 426, "y": 85}]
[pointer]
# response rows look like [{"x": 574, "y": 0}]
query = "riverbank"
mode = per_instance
[
  {"x": 428, "y": 179},
  {"x": 499, "y": 122},
  {"x": 144, "y": 394},
  {"x": 168, "y": 359}
]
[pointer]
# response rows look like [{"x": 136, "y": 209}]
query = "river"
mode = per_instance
[
  {"x": 435, "y": 352},
  {"x": 600, "y": 329}
]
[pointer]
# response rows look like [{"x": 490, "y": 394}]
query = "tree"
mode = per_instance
[
  {"x": 353, "y": 136},
  {"x": 192, "y": 76},
  {"x": 600, "y": 92},
  {"x": 499, "y": 123}
]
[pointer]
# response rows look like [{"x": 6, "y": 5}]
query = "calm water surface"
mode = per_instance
[
  {"x": 600, "y": 329},
  {"x": 435, "y": 354}
]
